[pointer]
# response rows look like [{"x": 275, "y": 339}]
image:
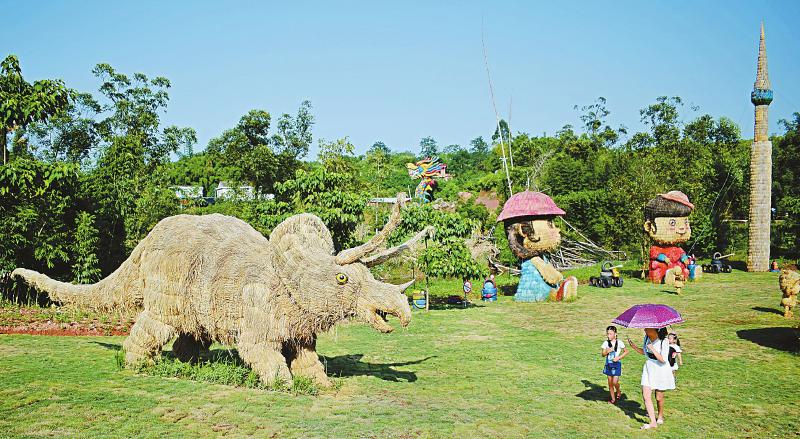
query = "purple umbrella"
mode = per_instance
[{"x": 648, "y": 316}]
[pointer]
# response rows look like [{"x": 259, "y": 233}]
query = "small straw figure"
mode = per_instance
[
  {"x": 790, "y": 286},
  {"x": 679, "y": 281}
]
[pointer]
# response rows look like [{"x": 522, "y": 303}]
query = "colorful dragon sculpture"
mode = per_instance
[{"x": 427, "y": 169}]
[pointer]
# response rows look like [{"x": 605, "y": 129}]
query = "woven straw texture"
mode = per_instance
[{"x": 215, "y": 278}]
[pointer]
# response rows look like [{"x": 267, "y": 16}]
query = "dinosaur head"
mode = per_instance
[{"x": 329, "y": 288}]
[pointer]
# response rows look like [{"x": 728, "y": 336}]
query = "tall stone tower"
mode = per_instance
[{"x": 760, "y": 168}]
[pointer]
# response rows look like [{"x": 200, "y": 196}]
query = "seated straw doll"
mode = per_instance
[
  {"x": 667, "y": 223},
  {"x": 528, "y": 219}
]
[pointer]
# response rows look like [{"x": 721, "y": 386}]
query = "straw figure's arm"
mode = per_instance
[{"x": 548, "y": 272}]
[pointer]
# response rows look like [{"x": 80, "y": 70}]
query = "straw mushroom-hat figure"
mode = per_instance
[
  {"x": 667, "y": 223},
  {"x": 528, "y": 219}
]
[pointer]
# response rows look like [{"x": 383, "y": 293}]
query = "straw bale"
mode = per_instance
[{"x": 789, "y": 282}]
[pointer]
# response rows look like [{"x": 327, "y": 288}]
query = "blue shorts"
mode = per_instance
[{"x": 613, "y": 369}]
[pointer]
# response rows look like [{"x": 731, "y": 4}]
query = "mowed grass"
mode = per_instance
[{"x": 499, "y": 369}]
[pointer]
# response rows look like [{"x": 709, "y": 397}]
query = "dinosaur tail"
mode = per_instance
[{"x": 121, "y": 290}]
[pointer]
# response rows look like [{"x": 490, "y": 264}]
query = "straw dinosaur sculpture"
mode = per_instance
[{"x": 215, "y": 278}]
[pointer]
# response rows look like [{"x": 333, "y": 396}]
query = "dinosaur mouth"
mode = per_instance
[{"x": 379, "y": 320}]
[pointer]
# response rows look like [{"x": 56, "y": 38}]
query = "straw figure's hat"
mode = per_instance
[
  {"x": 529, "y": 204},
  {"x": 678, "y": 197}
]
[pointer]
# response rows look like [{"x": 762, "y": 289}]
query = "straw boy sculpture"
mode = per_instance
[
  {"x": 214, "y": 278},
  {"x": 528, "y": 219},
  {"x": 790, "y": 286},
  {"x": 667, "y": 223}
]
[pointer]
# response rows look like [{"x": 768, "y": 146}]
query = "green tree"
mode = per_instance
[
  {"x": 331, "y": 196},
  {"x": 428, "y": 147},
  {"x": 446, "y": 255},
  {"x": 380, "y": 147},
  {"x": 479, "y": 146},
  {"x": 68, "y": 136},
  {"x": 786, "y": 188},
  {"x": 336, "y": 156},
  {"x": 37, "y": 203},
  {"x": 22, "y": 103},
  {"x": 85, "y": 265}
]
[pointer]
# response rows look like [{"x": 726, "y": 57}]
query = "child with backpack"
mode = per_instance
[
  {"x": 613, "y": 351},
  {"x": 675, "y": 357}
]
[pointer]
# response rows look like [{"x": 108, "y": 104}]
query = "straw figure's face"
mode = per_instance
[
  {"x": 667, "y": 218},
  {"x": 669, "y": 230},
  {"x": 532, "y": 236}
]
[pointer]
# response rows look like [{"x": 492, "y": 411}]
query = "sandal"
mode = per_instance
[
  {"x": 659, "y": 421},
  {"x": 619, "y": 396},
  {"x": 647, "y": 427}
]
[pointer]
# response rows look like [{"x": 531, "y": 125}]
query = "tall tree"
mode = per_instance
[
  {"x": 22, "y": 103},
  {"x": 335, "y": 156},
  {"x": 428, "y": 147}
]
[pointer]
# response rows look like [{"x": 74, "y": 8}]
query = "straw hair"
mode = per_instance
[
  {"x": 215, "y": 278},
  {"x": 662, "y": 207}
]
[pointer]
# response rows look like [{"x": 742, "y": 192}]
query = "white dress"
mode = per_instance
[{"x": 655, "y": 374}]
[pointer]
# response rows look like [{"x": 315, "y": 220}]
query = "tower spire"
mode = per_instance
[
  {"x": 762, "y": 75},
  {"x": 760, "y": 168}
]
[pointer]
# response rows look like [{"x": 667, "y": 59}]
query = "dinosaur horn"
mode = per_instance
[
  {"x": 380, "y": 258},
  {"x": 354, "y": 254}
]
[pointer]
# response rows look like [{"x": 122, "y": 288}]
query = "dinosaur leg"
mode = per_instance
[
  {"x": 265, "y": 358},
  {"x": 304, "y": 361},
  {"x": 148, "y": 336},
  {"x": 187, "y": 348}
]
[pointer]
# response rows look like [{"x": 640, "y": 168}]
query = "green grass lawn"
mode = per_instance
[{"x": 501, "y": 369}]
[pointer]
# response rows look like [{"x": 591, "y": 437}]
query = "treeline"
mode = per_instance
[{"x": 86, "y": 176}]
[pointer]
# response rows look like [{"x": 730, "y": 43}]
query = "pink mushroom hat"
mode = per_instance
[{"x": 529, "y": 204}]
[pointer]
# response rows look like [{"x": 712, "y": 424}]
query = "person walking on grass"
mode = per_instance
[
  {"x": 675, "y": 357},
  {"x": 656, "y": 372},
  {"x": 613, "y": 351}
]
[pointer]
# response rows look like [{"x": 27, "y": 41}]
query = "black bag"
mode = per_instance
[{"x": 650, "y": 354}]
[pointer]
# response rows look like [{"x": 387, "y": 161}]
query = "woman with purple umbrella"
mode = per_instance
[{"x": 656, "y": 373}]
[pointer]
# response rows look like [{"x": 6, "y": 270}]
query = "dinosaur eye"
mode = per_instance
[{"x": 341, "y": 278}]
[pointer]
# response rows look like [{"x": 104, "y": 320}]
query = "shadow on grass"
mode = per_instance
[
  {"x": 780, "y": 338},
  {"x": 765, "y": 309},
  {"x": 351, "y": 365},
  {"x": 340, "y": 366},
  {"x": 737, "y": 265},
  {"x": 507, "y": 290},
  {"x": 443, "y": 305},
  {"x": 111, "y": 346},
  {"x": 595, "y": 392},
  {"x": 633, "y": 274}
]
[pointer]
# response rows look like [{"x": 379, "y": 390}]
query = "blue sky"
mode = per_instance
[{"x": 400, "y": 71}]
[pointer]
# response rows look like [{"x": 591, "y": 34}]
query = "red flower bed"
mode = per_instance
[{"x": 40, "y": 321}]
